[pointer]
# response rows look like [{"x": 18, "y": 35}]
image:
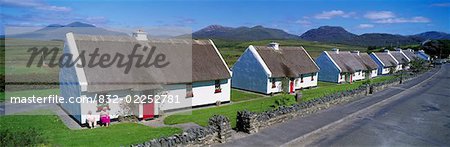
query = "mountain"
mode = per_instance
[
  {"x": 336, "y": 34},
  {"x": 241, "y": 33},
  {"x": 433, "y": 35},
  {"x": 58, "y": 32},
  {"x": 331, "y": 34}
]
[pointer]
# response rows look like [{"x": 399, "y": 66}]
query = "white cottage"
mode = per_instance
[
  {"x": 264, "y": 68},
  {"x": 340, "y": 66},
  {"x": 191, "y": 73},
  {"x": 385, "y": 61}
]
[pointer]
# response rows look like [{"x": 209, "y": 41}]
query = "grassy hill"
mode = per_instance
[{"x": 232, "y": 50}]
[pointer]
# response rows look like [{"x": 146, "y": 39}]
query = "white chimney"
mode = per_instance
[
  {"x": 398, "y": 49},
  {"x": 335, "y": 50},
  {"x": 387, "y": 51},
  {"x": 274, "y": 45},
  {"x": 410, "y": 50},
  {"x": 140, "y": 35}
]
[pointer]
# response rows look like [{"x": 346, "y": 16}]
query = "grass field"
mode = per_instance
[
  {"x": 201, "y": 116},
  {"x": 27, "y": 93},
  {"x": 232, "y": 50},
  {"x": 237, "y": 95},
  {"x": 58, "y": 134}
]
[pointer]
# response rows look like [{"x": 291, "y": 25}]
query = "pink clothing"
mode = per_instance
[{"x": 105, "y": 119}]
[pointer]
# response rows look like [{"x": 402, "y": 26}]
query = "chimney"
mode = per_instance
[
  {"x": 274, "y": 45},
  {"x": 356, "y": 52},
  {"x": 398, "y": 49},
  {"x": 387, "y": 51},
  {"x": 410, "y": 50},
  {"x": 140, "y": 35},
  {"x": 335, "y": 50},
  {"x": 422, "y": 51}
]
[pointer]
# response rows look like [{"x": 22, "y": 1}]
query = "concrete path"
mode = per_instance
[{"x": 290, "y": 131}]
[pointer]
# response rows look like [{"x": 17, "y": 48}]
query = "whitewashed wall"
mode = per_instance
[
  {"x": 374, "y": 73},
  {"x": 358, "y": 76},
  {"x": 307, "y": 82},
  {"x": 278, "y": 87}
]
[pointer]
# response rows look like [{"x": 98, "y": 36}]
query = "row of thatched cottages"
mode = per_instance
[{"x": 201, "y": 77}]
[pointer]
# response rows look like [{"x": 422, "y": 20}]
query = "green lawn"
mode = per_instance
[
  {"x": 237, "y": 95},
  {"x": 27, "y": 93},
  {"x": 327, "y": 88},
  {"x": 201, "y": 116},
  {"x": 58, "y": 134}
]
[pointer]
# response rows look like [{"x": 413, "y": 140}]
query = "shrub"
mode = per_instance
[
  {"x": 285, "y": 100},
  {"x": 29, "y": 137}
]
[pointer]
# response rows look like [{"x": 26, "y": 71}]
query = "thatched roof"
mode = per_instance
[
  {"x": 287, "y": 61},
  {"x": 402, "y": 59},
  {"x": 346, "y": 61},
  {"x": 410, "y": 54},
  {"x": 188, "y": 61},
  {"x": 387, "y": 59},
  {"x": 365, "y": 59}
]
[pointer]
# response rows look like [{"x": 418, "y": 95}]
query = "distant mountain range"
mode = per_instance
[
  {"x": 329, "y": 34},
  {"x": 58, "y": 32},
  {"x": 335, "y": 34},
  {"x": 242, "y": 33}
]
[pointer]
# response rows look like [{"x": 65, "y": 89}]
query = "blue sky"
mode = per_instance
[{"x": 296, "y": 17}]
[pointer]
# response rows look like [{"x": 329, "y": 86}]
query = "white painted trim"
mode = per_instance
[
  {"x": 220, "y": 55},
  {"x": 379, "y": 59},
  {"x": 260, "y": 60},
  {"x": 310, "y": 57},
  {"x": 71, "y": 44},
  {"x": 335, "y": 64}
]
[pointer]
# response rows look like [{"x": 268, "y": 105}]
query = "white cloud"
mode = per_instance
[
  {"x": 390, "y": 17},
  {"x": 418, "y": 19},
  {"x": 365, "y": 26},
  {"x": 34, "y": 4},
  {"x": 333, "y": 13},
  {"x": 303, "y": 22},
  {"x": 379, "y": 15}
]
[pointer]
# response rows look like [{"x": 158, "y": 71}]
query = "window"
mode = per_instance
[
  {"x": 312, "y": 76},
  {"x": 296, "y": 82},
  {"x": 189, "y": 92},
  {"x": 273, "y": 83},
  {"x": 102, "y": 99},
  {"x": 342, "y": 76},
  {"x": 301, "y": 78},
  {"x": 217, "y": 87}
]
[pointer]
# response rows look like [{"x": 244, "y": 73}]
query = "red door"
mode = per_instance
[
  {"x": 291, "y": 87},
  {"x": 148, "y": 108}
]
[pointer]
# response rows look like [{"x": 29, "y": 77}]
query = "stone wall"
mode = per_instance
[
  {"x": 251, "y": 122},
  {"x": 218, "y": 130}
]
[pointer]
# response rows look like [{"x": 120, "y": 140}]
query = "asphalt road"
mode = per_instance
[
  {"x": 420, "y": 117},
  {"x": 415, "y": 113}
]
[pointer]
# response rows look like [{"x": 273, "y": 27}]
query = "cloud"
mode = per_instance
[
  {"x": 389, "y": 17},
  {"x": 303, "y": 22},
  {"x": 34, "y": 4},
  {"x": 365, "y": 26},
  {"x": 440, "y": 5},
  {"x": 379, "y": 15},
  {"x": 333, "y": 13},
  {"x": 417, "y": 19}
]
